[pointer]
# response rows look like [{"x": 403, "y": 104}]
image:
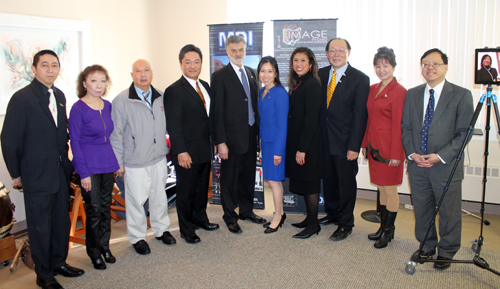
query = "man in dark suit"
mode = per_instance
[
  {"x": 343, "y": 121},
  {"x": 35, "y": 147},
  {"x": 187, "y": 110},
  {"x": 236, "y": 122},
  {"x": 435, "y": 120}
]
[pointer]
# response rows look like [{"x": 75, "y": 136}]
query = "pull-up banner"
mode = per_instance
[
  {"x": 290, "y": 34},
  {"x": 252, "y": 32}
]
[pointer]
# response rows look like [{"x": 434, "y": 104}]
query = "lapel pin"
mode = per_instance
[{"x": 61, "y": 104}]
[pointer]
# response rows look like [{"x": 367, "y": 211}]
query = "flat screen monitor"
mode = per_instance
[{"x": 487, "y": 66}]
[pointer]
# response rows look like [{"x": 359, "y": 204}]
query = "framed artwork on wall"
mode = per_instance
[{"x": 22, "y": 36}]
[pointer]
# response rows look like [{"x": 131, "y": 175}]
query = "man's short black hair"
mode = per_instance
[
  {"x": 36, "y": 58},
  {"x": 444, "y": 57},
  {"x": 189, "y": 48}
]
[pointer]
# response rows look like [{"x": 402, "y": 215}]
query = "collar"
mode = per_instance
[
  {"x": 340, "y": 71},
  {"x": 140, "y": 93},
  {"x": 437, "y": 89},
  {"x": 237, "y": 68},
  {"x": 192, "y": 81},
  {"x": 44, "y": 89}
]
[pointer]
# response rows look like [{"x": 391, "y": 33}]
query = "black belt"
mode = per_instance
[{"x": 376, "y": 155}]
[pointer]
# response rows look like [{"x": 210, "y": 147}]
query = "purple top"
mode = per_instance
[{"x": 89, "y": 132}]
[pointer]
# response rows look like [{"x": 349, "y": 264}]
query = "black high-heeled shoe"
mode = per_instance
[
  {"x": 304, "y": 235},
  {"x": 283, "y": 218},
  {"x": 300, "y": 225},
  {"x": 280, "y": 224}
]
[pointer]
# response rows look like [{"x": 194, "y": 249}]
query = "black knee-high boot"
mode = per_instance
[
  {"x": 383, "y": 215},
  {"x": 312, "y": 225},
  {"x": 388, "y": 232}
]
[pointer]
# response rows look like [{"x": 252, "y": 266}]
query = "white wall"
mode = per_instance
[
  {"x": 410, "y": 27},
  {"x": 121, "y": 32},
  {"x": 125, "y": 30}
]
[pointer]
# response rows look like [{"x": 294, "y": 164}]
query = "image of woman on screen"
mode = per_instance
[{"x": 487, "y": 73}]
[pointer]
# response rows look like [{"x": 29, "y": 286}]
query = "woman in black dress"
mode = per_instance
[{"x": 303, "y": 163}]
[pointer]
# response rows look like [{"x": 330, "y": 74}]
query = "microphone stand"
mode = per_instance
[{"x": 478, "y": 243}]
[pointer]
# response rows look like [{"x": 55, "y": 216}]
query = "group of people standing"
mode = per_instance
[
  {"x": 333, "y": 113},
  {"x": 312, "y": 133}
]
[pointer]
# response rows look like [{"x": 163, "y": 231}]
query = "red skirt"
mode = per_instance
[{"x": 381, "y": 174}]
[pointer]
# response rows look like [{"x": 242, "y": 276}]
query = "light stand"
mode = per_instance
[{"x": 477, "y": 244}]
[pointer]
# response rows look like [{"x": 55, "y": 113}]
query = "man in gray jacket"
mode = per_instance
[
  {"x": 436, "y": 115},
  {"x": 139, "y": 143}
]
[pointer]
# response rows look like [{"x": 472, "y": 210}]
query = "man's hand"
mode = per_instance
[
  {"x": 86, "y": 184},
  {"x": 120, "y": 172},
  {"x": 300, "y": 158},
  {"x": 352, "y": 155},
  {"x": 429, "y": 160},
  {"x": 184, "y": 160},
  {"x": 223, "y": 151},
  {"x": 277, "y": 160},
  {"x": 17, "y": 182},
  {"x": 419, "y": 159}
]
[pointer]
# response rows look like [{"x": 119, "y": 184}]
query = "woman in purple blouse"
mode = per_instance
[{"x": 90, "y": 126}]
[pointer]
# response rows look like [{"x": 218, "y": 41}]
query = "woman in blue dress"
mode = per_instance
[{"x": 273, "y": 111}]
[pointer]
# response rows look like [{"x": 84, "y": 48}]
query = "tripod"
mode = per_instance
[{"x": 477, "y": 244}]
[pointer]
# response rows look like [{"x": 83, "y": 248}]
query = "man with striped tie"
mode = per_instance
[
  {"x": 140, "y": 145},
  {"x": 436, "y": 116},
  {"x": 187, "y": 109},
  {"x": 343, "y": 123}
]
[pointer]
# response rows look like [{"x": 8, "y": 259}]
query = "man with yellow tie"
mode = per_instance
[
  {"x": 187, "y": 111},
  {"x": 343, "y": 123}
]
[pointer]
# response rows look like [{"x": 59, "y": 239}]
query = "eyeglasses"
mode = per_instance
[
  {"x": 433, "y": 65},
  {"x": 341, "y": 52}
]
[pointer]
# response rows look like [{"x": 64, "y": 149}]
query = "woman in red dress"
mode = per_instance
[{"x": 382, "y": 142}]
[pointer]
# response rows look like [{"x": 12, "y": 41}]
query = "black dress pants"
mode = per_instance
[
  {"x": 97, "y": 208},
  {"x": 47, "y": 219},
  {"x": 238, "y": 181},
  {"x": 192, "y": 195},
  {"x": 340, "y": 189}
]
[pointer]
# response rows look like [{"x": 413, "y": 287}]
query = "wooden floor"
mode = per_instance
[{"x": 25, "y": 278}]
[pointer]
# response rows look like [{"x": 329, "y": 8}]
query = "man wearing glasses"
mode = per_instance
[
  {"x": 435, "y": 120},
  {"x": 343, "y": 124}
]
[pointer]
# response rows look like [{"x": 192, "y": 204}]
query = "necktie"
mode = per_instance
[
  {"x": 146, "y": 98},
  {"x": 244, "y": 81},
  {"x": 201, "y": 94},
  {"x": 331, "y": 88},
  {"x": 52, "y": 105},
  {"x": 429, "y": 113}
]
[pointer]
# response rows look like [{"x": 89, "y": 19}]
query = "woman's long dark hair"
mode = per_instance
[{"x": 314, "y": 68}]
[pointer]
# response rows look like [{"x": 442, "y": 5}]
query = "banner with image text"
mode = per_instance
[{"x": 290, "y": 34}]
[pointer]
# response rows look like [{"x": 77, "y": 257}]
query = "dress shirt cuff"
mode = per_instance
[
  {"x": 409, "y": 157},
  {"x": 441, "y": 159}
]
